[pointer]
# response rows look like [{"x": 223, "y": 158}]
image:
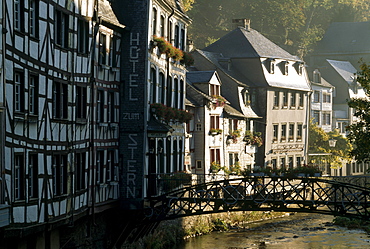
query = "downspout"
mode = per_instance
[{"x": 308, "y": 110}]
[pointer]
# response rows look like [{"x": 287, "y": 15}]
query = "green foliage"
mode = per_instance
[
  {"x": 295, "y": 25},
  {"x": 359, "y": 134},
  {"x": 318, "y": 142}
]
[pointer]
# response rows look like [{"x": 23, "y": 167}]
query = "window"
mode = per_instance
[
  {"x": 199, "y": 164},
  {"x": 291, "y": 132},
  {"x": 113, "y": 52},
  {"x": 233, "y": 159},
  {"x": 33, "y": 185},
  {"x": 112, "y": 174},
  {"x": 83, "y": 36},
  {"x": 299, "y": 132},
  {"x": 326, "y": 98},
  {"x": 182, "y": 94},
  {"x": 276, "y": 99},
  {"x": 61, "y": 28},
  {"x": 153, "y": 86},
  {"x": 176, "y": 93},
  {"x": 271, "y": 65},
  {"x": 161, "y": 88},
  {"x": 154, "y": 22},
  {"x": 99, "y": 167},
  {"x": 19, "y": 177},
  {"x": 326, "y": 118},
  {"x": 341, "y": 126},
  {"x": 283, "y": 132},
  {"x": 274, "y": 163},
  {"x": 316, "y": 96},
  {"x": 298, "y": 160},
  {"x": 275, "y": 128},
  {"x": 102, "y": 49},
  {"x": 177, "y": 39},
  {"x": 198, "y": 127},
  {"x": 233, "y": 125},
  {"x": 282, "y": 162},
  {"x": 33, "y": 18},
  {"x": 81, "y": 102},
  {"x": 33, "y": 95},
  {"x": 19, "y": 15},
  {"x": 299, "y": 67},
  {"x": 169, "y": 91},
  {"x": 290, "y": 161},
  {"x": 285, "y": 99},
  {"x": 316, "y": 76},
  {"x": 100, "y": 106},
  {"x": 292, "y": 99},
  {"x": 215, "y": 122},
  {"x": 59, "y": 174},
  {"x": 111, "y": 108},
  {"x": 60, "y": 100},
  {"x": 182, "y": 38},
  {"x": 316, "y": 117},
  {"x": 215, "y": 89},
  {"x": 80, "y": 171},
  {"x": 286, "y": 68},
  {"x": 300, "y": 99},
  {"x": 215, "y": 155},
  {"x": 19, "y": 92},
  {"x": 162, "y": 26}
]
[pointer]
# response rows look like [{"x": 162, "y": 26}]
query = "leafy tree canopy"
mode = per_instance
[
  {"x": 295, "y": 25},
  {"x": 318, "y": 142},
  {"x": 359, "y": 132}
]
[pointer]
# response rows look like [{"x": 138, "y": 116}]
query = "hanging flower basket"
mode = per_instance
[
  {"x": 168, "y": 114},
  {"x": 215, "y": 131},
  {"x": 220, "y": 101}
]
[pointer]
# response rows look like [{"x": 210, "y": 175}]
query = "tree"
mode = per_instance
[
  {"x": 359, "y": 132},
  {"x": 318, "y": 143}
]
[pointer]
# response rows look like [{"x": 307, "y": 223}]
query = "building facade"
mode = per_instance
[{"x": 61, "y": 99}]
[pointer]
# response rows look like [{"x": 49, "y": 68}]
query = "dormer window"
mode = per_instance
[
  {"x": 316, "y": 76},
  {"x": 215, "y": 90},
  {"x": 271, "y": 65},
  {"x": 299, "y": 67},
  {"x": 285, "y": 67}
]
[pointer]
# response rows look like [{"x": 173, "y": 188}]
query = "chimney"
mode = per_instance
[{"x": 245, "y": 23}]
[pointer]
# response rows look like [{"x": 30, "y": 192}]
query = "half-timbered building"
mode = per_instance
[{"x": 61, "y": 99}]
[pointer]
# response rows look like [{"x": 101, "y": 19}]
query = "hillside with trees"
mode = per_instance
[{"x": 295, "y": 25}]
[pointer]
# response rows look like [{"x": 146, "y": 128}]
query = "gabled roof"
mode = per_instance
[
  {"x": 199, "y": 76},
  {"x": 345, "y": 69},
  {"x": 245, "y": 43},
  {"x": 195, "y": 96},
  {"x": 345, "y": 37},
  {"x": 107, "y": 15}
]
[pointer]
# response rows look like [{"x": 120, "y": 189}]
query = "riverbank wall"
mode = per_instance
[{"x": 172, "y": 233}]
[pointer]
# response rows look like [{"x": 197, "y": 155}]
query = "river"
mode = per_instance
[{"x": 303, "y": 231}]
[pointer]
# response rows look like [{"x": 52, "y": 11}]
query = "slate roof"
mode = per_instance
[
  {"x": 107, "y": 15},
  {"x": 323, "y": 83},
  {"x": 232, "y": 111},
  {"x": 195, "y": 96},
  {"x": 345, "y": 37},
  {"x": 345, "y": 69},
  {"x": 248, "y": 44},
  {"x": 199, "y": 76}
]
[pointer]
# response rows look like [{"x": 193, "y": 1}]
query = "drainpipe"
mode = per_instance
[{"x": 308, "y": 110}]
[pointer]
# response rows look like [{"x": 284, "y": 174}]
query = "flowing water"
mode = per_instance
[{"x": 301, "y": 231}]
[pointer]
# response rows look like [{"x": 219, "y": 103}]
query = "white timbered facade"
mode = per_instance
[{"x": 61, "y": 118}]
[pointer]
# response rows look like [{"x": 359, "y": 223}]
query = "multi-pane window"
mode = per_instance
[
  {"x": 283, "y": 132},
  {"x": 19, "y": 15},
  {"x": 215, "y": 89},
  {"x": 100, "y": 106},
  {"x": 177, "y": 38},
  {"x": 233, "y": 125},
  {"x": 83, "y": 36},
  {"x": 33, "y": 170},
  {"x": 316, "y": 96},
  {"x": 300, "y": 99},
  {"x": 298, "y": 160},
  {"x": 199, "y": 164},
  {"x": 316, "y": 117},
  {"x": 80, "y": 171},
  {"x": 33, "y": 95},
  {"x": 154, "y": 22},
  {"x": 60, "y": 100},
  {"x": 215, "y": 155},
  {"x": 198, "y": 127},
  {"x": 112, "y": 174},
  {"x": 33, "y": 18},
  {"x": 111, "y": 108},
  {"x": 162, "y": 26},
  {"x": 61, "y": 28},
  {"x": 285, "y": 99},
  {"x": 326, "y": 118},
  {"x": 299, "y": 131},
  {"x": 291, "y": 132},
  {"x": 274, "y": 163},
  {"x": 113, "y": 52},
  {"x": 19, "y": 176},
  {"x": 102, "y": 59},
  {"x": 99, "y": 176},
  {"x": 19, "y": 92},
  {"x": 326, "y": 98},
  {"x": 275, "y": 128},
  {"x": 233, "y": 159},
  {"x": 292, "y": 99},
  {"x": 81, "y": 102},
  {"x": 282, "y": 162},
  {"x": 182, "y": 38},
  {"x": 290, "y": 162},
  {"x": 161, "y": 88},
  {"x": 215, "y": 122},
  {"x": 59, "y": 172},
  {"x": 276, "y": 98}
]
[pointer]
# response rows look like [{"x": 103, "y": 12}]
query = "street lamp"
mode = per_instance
[{"x": 332, "y": 142}]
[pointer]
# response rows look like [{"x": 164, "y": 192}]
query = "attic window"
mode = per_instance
[
  {"x": 271, "y": 65},
  {"x": 316, "y": 76},
  {"x": 285, "y": 67},
  {"x": 299, "y": 67}
]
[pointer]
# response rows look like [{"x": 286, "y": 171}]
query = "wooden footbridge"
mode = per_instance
[{"x": 339, "y": 196}]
